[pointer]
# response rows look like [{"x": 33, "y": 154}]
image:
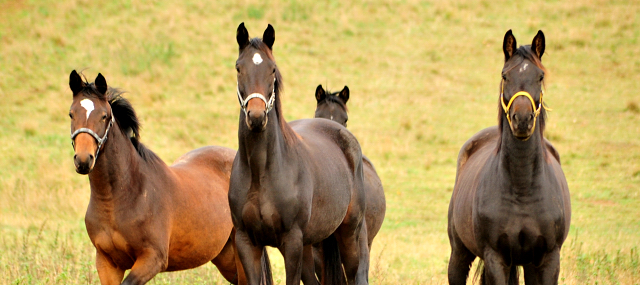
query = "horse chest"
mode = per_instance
[
  {"x": 519, "y": 229},
  {"x": 267, "y": 219},
  {"x": 114, "y": 245}
]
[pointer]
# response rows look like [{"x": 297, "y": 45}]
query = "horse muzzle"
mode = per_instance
[
  {"x": 84, "y": 157},
  {"x": 256, "y": 116},
  {"x": 522, "y": 124}
]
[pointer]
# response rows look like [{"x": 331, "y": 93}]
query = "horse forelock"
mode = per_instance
[{"x": 334, "y": 98}]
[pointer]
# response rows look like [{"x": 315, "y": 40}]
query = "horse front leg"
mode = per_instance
[
  {"x": 546, "y": 273},
  {"x": 148, "y": 264},
  {"x": 496, "y": 271},
  {"x": 291, "y": 250},
  {"x": 108, "y": 272},
  {"x": 250, "y": 255}
]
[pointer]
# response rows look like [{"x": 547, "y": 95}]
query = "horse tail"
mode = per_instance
[
  {"x": 265, "y": 263},
  {"x": 333, "y": 271}
]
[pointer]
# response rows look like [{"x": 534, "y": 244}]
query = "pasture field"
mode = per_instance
[{"x": 423, "y": 76}]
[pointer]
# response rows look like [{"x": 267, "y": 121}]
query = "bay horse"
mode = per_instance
[
  {"x": 333, "y": 106},
  {"x": 510, "y": 204},
  {"x": 144, "y": 215},
  {"x": 293, "y": 184}
]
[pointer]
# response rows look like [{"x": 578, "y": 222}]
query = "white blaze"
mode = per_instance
[
  {"x": 523, "y": 68},
  {"x": 257, "y": 59},
  {"x": 87, "y": 105}
]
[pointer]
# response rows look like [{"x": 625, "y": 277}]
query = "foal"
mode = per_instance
[
  {"x": 144, "y": 215},
  {"x": 333, "y": 106}
]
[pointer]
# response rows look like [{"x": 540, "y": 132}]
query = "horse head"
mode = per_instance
[
  {"x": 332, "y": 106},
  {"x": 521, "y": 88},
  {"x": 91, "y": 119}
]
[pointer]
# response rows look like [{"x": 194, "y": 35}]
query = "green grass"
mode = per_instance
[{"x": 423, "y": 77}]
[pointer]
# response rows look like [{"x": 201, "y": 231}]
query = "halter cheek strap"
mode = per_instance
[
  {"x": 100, "y": 140},
  {"x": 268, "y": 104}
]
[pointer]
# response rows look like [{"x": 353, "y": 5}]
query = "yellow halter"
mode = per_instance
[{"x": 533, "y": 104}]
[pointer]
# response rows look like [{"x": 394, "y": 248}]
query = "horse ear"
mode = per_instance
[
  {"x": 75, "y": 82},
  {"x": 320, "y": 94},
  {"x": 269, "y": 36},
  {"x": 344, "y": 94},
  {"x": 538, "y": 44},
  {"x": 509, "y": 45},
  {"x": 101, "y": 84},
  {"x": 242, "y": 36}
]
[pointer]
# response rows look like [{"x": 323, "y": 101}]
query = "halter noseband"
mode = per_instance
[
  {"x": 268, "y": 104},
  {"x": 94, "y": 135},
  {"x": 533, "y": 104}
]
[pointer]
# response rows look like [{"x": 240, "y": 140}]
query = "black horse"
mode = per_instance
[
  {"x": 510, "y": 204},
  {"x": 293, "y": 185}
]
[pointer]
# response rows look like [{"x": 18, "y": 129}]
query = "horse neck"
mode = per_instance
[
  {"x": 521, "y": 160},
  {"x": 262, "y": 151},
  {"x": 116, "y": 172}
]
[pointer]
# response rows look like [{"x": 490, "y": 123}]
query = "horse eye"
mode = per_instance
[
  {"x": 71, "y": 116},
  {"x": 504, "y": 77},
  {"x": 104, "y": 117},
  {"x": 238, "y": 69},
  {"x": 274, "y": 70}
]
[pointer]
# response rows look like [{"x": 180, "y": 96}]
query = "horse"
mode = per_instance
[
  {"x": 144, "y": 215},
  {"x": 333, "y": 106},
  {"x": 293, "y": 184},
  {"x": 510, "y": 204}
]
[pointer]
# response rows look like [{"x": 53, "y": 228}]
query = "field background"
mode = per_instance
[{"x": 423, "y": 77}]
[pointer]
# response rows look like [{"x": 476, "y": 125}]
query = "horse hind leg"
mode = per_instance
[
  {"x": 354, "y": 252},
  {"x": 225, "y": 261}
]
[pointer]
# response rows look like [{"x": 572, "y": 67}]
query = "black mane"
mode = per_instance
[{"x": 128, "y": 122}]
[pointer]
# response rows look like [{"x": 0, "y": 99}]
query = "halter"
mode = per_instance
[
  {"x": 268, "y": 104},
  {"x": 533, "y": 104},
  {"x": 94, "y": 135}
]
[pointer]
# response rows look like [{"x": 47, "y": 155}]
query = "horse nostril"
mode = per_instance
[
  {"x": 75, "y": 156},
  {"x": 531, "y": 117},
  {"x": 91, "y": 157}
]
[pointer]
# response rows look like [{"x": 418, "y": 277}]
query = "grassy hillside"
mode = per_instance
[{"x": 423, "y": 77}]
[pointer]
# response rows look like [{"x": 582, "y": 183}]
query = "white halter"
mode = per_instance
[{"x": 268, "y": 104}]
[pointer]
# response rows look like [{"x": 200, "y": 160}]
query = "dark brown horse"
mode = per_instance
[
  {"x": 333, "y": 106},
  {"x": 144, "y": 215},
  {"x": 510, "y": 204},
  {"x": 293, "y": 185}
]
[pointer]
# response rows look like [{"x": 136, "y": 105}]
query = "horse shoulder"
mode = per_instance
[{"x": 476, "y": 142}]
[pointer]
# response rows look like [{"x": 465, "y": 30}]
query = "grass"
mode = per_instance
[{"x": 423, "y": 77}]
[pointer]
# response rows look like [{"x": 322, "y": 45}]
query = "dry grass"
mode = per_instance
[{"x": 423, "y": 76}]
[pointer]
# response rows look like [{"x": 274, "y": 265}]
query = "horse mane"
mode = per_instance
[
  {"x": 334, "y": 98},
  {"x": 129, "y": 123},
  {"x": 288, "y": 133},
  {"x": 522, "y": 53}
]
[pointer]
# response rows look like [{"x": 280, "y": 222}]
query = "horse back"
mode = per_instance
[{"x": 484, "y": 141}]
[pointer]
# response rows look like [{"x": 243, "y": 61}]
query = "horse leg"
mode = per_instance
[
  {"x": 291, "y": 250},
  {"x": 546, "y": 273},
  {"x": 250, "y": 255},
  {"x": 354, "y": 252},
  {"x": 226, "y": 262},
  {"x": 147, "y": 265},
  {"x": 459, "y": 262},
  {"x": 108, "y": 272},
  {"x": 308, "y": 269},
  {"x": 496, "y": 271},
  {"x": 318, "y": 257}
]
